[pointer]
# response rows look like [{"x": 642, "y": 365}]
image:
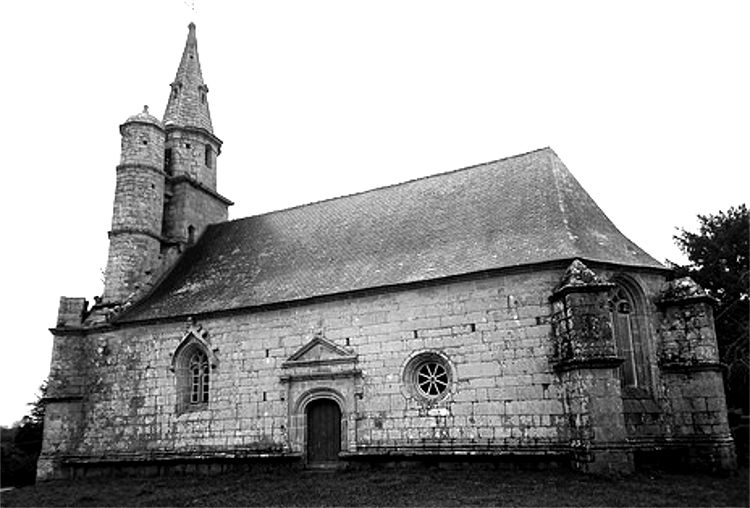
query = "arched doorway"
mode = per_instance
[{"x": 323, "y": 432}]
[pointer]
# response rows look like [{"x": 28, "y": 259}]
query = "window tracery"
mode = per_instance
[
  {"x": 193, "y": 363},
  {"x": 428, "y": 376},
  {"x": 199, "y": 377},
  {"x": 628, "y": 330}
]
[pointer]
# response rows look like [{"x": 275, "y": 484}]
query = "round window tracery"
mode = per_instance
[
  {"x": 428, "y": 376},
  {"x": 432, "y": 379}
]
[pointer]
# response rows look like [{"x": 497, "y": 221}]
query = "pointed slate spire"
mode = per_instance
[{"x": 188, "y": 101}]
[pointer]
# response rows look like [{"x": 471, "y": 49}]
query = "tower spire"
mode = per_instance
[{"x": 188, "y": 100}]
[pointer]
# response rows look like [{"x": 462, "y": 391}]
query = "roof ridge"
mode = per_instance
[{"x": 405, "y": 182}]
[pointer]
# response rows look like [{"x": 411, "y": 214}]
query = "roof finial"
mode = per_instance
[
  {"x": 145, "y": 109},
  {"x": 191, "y": 33}
]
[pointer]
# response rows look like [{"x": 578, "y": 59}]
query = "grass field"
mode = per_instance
[{"x": 392, "y": 488}]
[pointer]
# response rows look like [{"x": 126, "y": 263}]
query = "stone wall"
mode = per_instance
[
  {"x": 191, "y": 205},
  {"x": 494, "y": 334},
  {"x": 132, "y": 264},
  {"x": 139, "y": 199},
  {"x": 503, "y": 396},
  {"x": 188, "y": 157},
  {"x": 142, "y": 143}
]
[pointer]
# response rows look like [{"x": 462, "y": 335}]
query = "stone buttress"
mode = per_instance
[
  {"x": 692, "y": 376},
  {"x": 585, "y": 358}
]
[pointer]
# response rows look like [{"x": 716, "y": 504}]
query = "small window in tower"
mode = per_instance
[
  {"x": 209, "y": 156},
  {"x": 188, "y": 145},
  {"x": 168, "y": 161},
  {"x": 203, "y": 97},
  {"x": 191, "y": 235}
]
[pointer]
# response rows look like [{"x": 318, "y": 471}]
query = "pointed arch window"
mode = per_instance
[
  {"x": 193, "y": 370},
  {"x": 628, "y": 328},
  {"x": 194, "y": 365}
]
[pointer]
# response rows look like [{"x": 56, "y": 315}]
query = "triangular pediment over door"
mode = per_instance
[
  {"x": 319, "y": 352},
  {"x": 321, "y": 373}
]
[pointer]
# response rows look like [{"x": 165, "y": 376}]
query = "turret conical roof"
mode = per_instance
[{"x": 188, "y": 101}]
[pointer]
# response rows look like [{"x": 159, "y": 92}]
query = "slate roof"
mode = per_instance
[{"x": 521, "y": 210}]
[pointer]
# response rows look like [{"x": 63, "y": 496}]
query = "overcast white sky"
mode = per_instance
[{"x": 645, "y": 102}]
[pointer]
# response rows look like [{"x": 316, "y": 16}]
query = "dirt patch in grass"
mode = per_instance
[{"x": 392, "y": 488}]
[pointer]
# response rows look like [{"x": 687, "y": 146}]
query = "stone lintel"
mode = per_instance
[
  {"x": 318, "y": 363},
  {"x": 310, "y": 376}
]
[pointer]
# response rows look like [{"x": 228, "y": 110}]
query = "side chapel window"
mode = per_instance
[
  {"x": 193, "y": 372},
  {"x": 628, "y": 331},
  {"x": 199, "y": 377}
]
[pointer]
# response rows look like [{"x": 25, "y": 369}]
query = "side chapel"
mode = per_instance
[{"x": 493, "y": 313}]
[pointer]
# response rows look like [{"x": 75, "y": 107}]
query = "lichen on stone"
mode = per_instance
[{"x": 578, "y": 275}]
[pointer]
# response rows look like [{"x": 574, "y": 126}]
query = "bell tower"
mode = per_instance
[
  {"x": 165, "y": 194},
  {"x": 191, "y": 154}
]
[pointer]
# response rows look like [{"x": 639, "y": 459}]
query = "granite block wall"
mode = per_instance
[{"x": 493, "y": 334}]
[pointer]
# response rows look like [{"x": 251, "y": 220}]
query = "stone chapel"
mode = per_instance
[{"x": 490, "y": 314}]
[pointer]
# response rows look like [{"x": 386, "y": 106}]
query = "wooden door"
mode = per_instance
[{"x": 323, "y": 431}]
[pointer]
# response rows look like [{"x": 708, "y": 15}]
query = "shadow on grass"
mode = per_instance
[{"x": 392, "y": 488}]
